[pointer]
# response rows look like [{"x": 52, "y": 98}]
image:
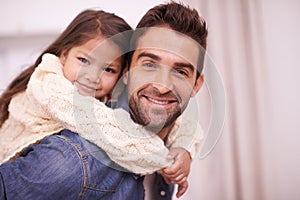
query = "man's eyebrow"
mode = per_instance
[
  {"x": 185, "y": 65},
  {"x": 150, "y": 55}
]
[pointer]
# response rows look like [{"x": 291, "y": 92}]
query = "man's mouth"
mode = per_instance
[{"x": 159, "y": 102}]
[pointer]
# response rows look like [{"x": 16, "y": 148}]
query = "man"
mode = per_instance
[
  {"x": 165, "y": 71},
  {"x": 170, "y": 55}
]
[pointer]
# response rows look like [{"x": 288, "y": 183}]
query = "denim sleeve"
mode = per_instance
[{"x": 49, "y": 170}]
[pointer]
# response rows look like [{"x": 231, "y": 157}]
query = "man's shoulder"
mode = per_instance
[
  {"x": 61, "y": 150},
  {"x": 64, "y": 139},
  {"x": 52, "y": 166}
]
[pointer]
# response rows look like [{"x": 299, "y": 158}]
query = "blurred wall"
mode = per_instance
[{"x": 282, "y": 140}]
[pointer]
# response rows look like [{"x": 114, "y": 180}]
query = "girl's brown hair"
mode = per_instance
[{"x": 87, "y": 25}]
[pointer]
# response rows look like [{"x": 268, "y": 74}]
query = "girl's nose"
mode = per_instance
[{"x": 94, "y": 74}]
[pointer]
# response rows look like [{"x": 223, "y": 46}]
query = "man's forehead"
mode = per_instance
[{"x": 169, "y": 40}]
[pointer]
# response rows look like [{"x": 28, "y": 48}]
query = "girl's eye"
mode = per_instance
[{"x": 84, "y": 60}]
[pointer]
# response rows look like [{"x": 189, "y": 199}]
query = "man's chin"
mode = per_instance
[
  {"x": 158, "y": 124},
  {"x": 154, "y": 127}
]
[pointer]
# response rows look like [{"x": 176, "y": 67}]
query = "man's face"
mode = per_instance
[{"x": 162, "y": 77}]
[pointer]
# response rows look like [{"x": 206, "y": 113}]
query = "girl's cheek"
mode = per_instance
[{"x": 77, "y": 73}]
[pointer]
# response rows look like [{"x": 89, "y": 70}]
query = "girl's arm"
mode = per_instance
[
  {"x": 130, "y": 146},
  {"x": 184, "y": 141},
  {"x": 186, "y": 134}
]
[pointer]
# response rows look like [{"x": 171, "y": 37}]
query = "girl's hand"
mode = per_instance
[
  {"x": 179, "y": 171},
  {"x": 182, "y": 188}
]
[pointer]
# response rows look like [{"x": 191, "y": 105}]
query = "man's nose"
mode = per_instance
[{"x": 163, "y": 80}]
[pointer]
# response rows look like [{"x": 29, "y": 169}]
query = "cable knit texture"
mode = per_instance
[{"x": 51, "y": 103}]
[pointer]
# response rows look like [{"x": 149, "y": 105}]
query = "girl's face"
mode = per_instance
[{"x": 93, "y": 67}]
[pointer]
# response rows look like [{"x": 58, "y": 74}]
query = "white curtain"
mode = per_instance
[{"x": 254, "y": 44}]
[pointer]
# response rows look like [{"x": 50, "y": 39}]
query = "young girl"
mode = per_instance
[{"x": 56, "y": 93}]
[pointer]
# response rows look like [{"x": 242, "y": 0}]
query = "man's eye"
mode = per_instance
[
  {"x": 149, "y": 65},
  {"x": 181, "y": 72},
  {"x": 84, "y": 60},
  {"x": 110, "y": 70}
]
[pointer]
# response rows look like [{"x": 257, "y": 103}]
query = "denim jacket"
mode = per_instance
[{"x": 65, "y": 166}]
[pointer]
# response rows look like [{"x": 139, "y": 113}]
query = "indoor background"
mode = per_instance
[{"x": 254, "y": 45}]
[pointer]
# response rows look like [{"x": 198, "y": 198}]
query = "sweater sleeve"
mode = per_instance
[
  {"x": 125, "y": 142},
  {"x": 187, "y": 134}
]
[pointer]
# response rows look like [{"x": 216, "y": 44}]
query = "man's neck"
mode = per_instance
[{"x": 163, "y": 134}]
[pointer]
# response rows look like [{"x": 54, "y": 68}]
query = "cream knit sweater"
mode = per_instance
[{"x": 51, "y": 103}]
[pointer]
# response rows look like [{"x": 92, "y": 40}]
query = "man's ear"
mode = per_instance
[
  {"x": 198, "y": 85},
  {"x": 125, "y": 76}
]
